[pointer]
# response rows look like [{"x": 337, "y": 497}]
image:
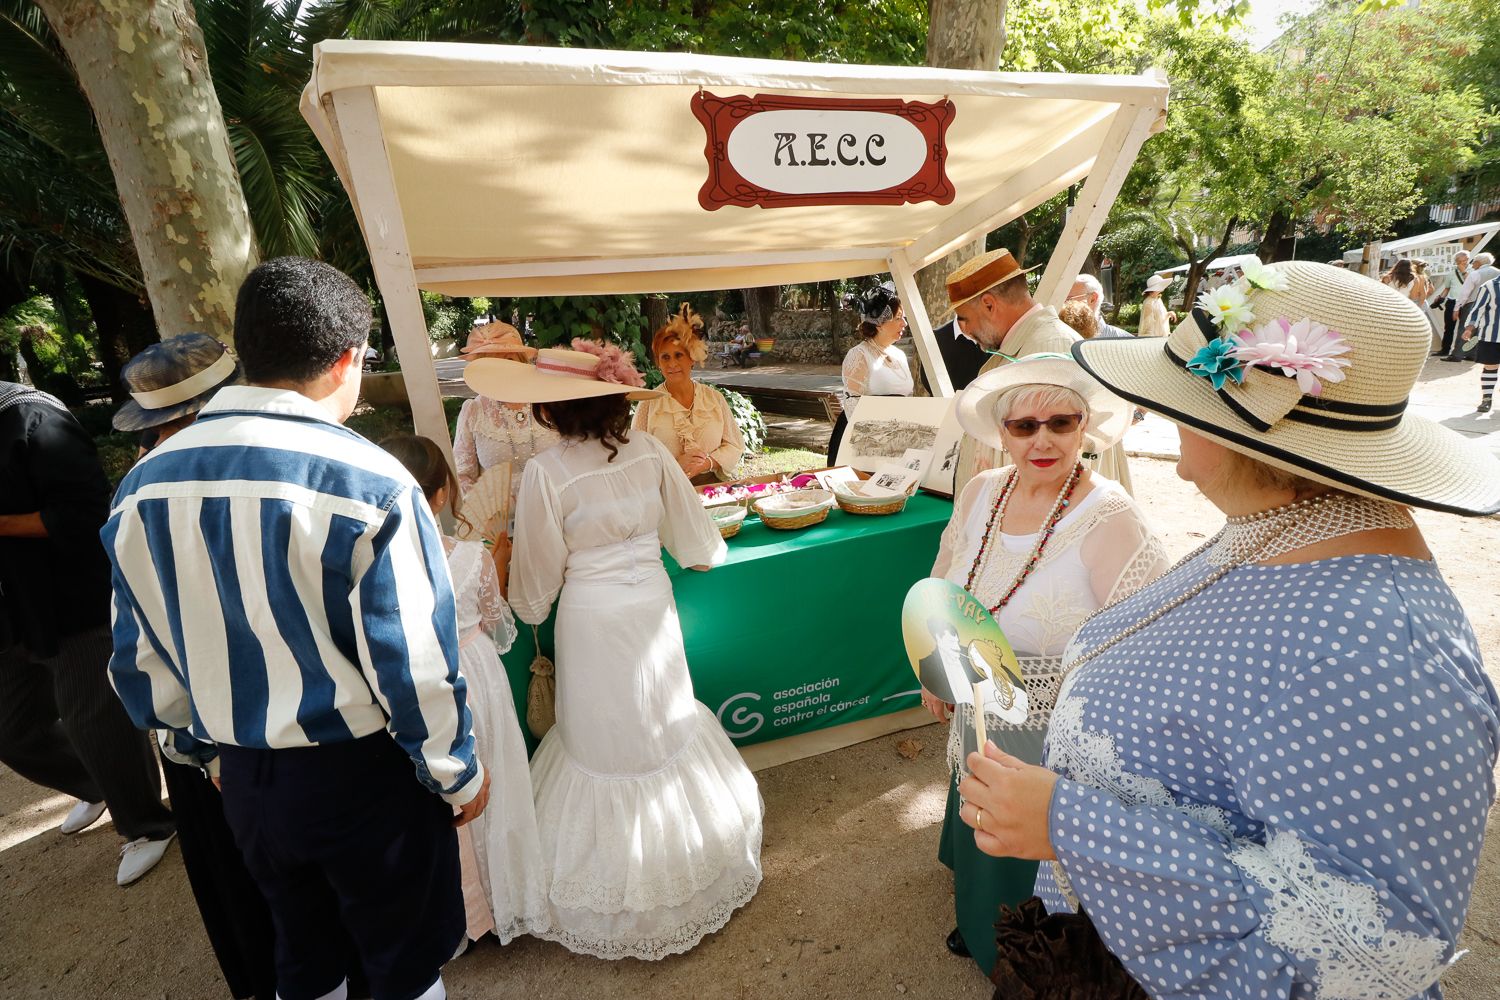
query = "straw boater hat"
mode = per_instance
[
  {"x": 1159, "y": 282},
  {"x": 173, "y": 379},
  {"x": 1315, "y": 379},
  {"x": 496, "y": 338},
  {"x": 592, "y": 370},
  {"x": 978, "y": 275},
  {"x": 1109, "y": 415}
]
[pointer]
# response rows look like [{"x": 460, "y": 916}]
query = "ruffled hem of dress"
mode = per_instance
[
  {"x": 686, "y": 836},
  {"x": 588, "y": 933}
]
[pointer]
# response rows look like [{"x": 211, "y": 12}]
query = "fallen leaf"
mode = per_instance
[{"x": 909, "y": 748}]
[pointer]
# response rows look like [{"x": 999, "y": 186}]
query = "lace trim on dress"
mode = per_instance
[
  {"x": 1339, "y": 924},
  {"x": 715, "y": 914}
]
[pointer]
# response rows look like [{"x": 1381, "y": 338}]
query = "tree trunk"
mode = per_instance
[
  {"x": 1198, "y": 267},
  {"x": 143, "y": 67},
  {"x": 657, "y": 310},
  {"x": 831, "y": 302},
  {"x": 1279, "y": 238},
  {"x": 125, "y": 325},
  {"x": 961, "y": 34},
  {"x": 760, "y": 303}
]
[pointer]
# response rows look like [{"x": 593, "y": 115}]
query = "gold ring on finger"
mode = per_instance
[{"x": 979, "y": 819}]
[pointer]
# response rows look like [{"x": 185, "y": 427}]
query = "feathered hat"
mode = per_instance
[{"x": 685, "y": 327}]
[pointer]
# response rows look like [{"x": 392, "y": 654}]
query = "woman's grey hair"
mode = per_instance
[
  {"x": 1482, "y": 259},
  {"x": 1039, "y": 395}
]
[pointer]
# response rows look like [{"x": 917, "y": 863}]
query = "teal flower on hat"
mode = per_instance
[{"x": 1217, "y": 363}]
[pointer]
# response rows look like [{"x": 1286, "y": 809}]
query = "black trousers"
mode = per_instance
[
  {"x": 1450, "y": 321},
  {"x": 62, "y": 727},
  {"x": 342, "y": 839}
]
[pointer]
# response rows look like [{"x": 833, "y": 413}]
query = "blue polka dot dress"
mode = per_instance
[{"x": 1279, "y": 788}]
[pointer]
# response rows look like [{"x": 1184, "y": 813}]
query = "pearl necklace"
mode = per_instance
[
  {"x": 1261, "y": 536},
  {"x": 997, "y": 516}
]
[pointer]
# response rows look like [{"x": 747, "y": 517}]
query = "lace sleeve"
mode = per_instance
[
  {"x": 857, "y": 371},
  {"x": 1121, "y": 551},
  {"x": 494, "y": 614},
  {"x": 465, "y": 451}
]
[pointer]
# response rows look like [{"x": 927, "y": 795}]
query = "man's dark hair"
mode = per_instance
[{"x": 294, "y": 317}]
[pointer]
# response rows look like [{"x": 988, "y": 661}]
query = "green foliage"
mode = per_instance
[
  {"x": 449, "y": 319},
  {"x": 60, "y": 360},
  {"x": 1138, "y": 249},
  {"x": 749, "y": 420},
  {"x": 556, "y": 320}
]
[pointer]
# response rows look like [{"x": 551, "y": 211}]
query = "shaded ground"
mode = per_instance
[{"x": 854, "y": 904}]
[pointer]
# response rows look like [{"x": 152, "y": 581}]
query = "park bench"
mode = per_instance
[{"x": 823, "y": 403}]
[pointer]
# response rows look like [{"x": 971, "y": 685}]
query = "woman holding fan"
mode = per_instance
[{"x": 1042, "y": 543}]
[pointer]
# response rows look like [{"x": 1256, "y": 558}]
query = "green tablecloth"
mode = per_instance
[{"x": 798, "y": 630}]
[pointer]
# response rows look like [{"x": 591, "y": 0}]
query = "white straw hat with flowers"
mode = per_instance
[
  {"x": 591, "y": 369},
  {"x": 1108, "y": 417},
  {"x": 1308, "y": 368}
]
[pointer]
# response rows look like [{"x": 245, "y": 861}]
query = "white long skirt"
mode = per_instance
[
  {"x": 507, "y": 849},
  {"x": 650, "y": 821}
]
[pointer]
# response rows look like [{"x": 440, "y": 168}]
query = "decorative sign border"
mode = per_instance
[{"x": 726, "y": 186}]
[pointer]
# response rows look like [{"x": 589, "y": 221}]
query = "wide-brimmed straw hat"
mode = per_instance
[
  {"x": 496, "y": 338},
  {"x": 1109, "y": 415},
  {"x": 1159, "y": 282},
  {"x": 173, "y": 379},
  {"x": 978, "y": 275},
  {"x": 558, "y": 375},
  {"x": 1317, "y": 381}
]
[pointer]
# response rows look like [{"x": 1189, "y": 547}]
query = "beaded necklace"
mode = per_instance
[{"x": 997, "y": 515}]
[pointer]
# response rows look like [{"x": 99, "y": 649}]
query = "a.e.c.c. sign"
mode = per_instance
[{"x": 782, "y": 151}]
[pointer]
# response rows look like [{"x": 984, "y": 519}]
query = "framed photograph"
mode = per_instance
[{"x": 883, "y": 429}]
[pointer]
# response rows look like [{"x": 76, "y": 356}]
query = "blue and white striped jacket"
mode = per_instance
[
  {"x": 279, "y": 582},
  {"x": 1484, "y": 317}
]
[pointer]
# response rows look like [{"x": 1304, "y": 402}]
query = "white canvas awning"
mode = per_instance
[
  {"x": 1471, "y": 238},
  {"x": 515, "y": 171},
  {"x": 1217, "y": 264}
]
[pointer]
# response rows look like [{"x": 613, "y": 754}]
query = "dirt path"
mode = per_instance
[{"x": 854, "y": 903}]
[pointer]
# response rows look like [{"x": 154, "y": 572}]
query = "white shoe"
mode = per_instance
[
  {"x": 140, "y": 856},
  {"x": 81, "y": 817}
]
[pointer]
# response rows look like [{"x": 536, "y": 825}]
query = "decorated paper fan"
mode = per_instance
[
  {"x": 960, "y": 654},
  {"x": 488, "y": 500}
]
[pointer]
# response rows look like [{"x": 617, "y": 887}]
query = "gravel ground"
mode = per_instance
[{"x": 854, "y": 903}]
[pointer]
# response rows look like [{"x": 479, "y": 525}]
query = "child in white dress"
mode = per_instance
[{"x": 505, "y": 887}]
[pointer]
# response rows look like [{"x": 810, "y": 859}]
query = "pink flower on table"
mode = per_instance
[{"x": 1305, "y": 350}]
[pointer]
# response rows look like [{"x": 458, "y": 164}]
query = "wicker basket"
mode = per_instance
[
  {"x": 728, "y": 527},
  {"x": 815, "y": 516},
  {"x": 727, "y": 531},
  {"x": 895, "y": 506}
]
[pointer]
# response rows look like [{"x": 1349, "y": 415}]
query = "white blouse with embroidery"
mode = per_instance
[
  {"x": 708, "y": 427},
  {"x": 870, "y": 371}
]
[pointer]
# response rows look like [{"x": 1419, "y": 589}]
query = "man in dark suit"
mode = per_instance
[{"x": 963, "y": 356}]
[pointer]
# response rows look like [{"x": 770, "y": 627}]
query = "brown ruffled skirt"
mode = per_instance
[{"x": 1055, "y": 956}]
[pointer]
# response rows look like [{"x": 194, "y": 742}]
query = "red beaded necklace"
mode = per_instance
[{"x": 1059, "y": 510}]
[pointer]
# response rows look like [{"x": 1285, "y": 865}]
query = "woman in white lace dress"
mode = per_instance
[
  {"x": 505, "y": 889},
  {"x": 494, "y": 435},
  {"x": 875, "y": 366},
  {"x": 1043, "y": 543},
  {"x": 650, "y": 821},
  {"x": 1268, "y": 772}
]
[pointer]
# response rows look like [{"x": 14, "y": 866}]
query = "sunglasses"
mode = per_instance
[{"x": 1062, "y": 423}]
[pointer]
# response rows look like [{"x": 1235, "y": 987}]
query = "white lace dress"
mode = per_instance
[
  {"x": 490, "y": 435},
  {"x": 650, "y": 821},
  {"x": 1102, "y": 550},
  {"x": 507, "y": 887}
]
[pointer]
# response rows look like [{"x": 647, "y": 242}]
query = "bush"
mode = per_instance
[{"x": 749, "y": 420}]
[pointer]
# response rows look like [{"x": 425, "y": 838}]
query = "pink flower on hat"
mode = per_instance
[
  {"x": 614, "y": 364},
  {"x": 1305, "y": 350}
]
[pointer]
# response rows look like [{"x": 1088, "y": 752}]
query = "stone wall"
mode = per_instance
[{"x": 802, "y": 336}]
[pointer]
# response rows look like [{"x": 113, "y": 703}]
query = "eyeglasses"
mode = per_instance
[{"x": 1061, "y": 423}]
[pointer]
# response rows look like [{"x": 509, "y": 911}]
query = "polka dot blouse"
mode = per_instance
[{"x": 1279, "y": 788}]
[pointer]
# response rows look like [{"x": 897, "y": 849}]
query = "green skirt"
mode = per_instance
[{"x": 981, "y": 883}]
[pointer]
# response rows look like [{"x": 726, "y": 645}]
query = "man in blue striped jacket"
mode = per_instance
[
  {"x": 283, "y": 615},
  {"x": 1484, "y": 319}
]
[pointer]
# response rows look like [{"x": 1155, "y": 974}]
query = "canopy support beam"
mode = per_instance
[
  {"x": 1131, "y": 126},
  {"x": 384, "y": 227},
  {"x": 442, "y": 274},
  {"x": 921, "y": 324}
]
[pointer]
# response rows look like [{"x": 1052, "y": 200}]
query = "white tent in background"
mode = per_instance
[
  {"x": 1437, "y": 247},
  {"x": 513, "y": 171},
  {"x": 1217, "y": 264}
]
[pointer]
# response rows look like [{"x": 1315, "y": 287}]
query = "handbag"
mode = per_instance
[
  {"x": 541, "y": 692},
  {"x": 1055, "y": 956}
]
